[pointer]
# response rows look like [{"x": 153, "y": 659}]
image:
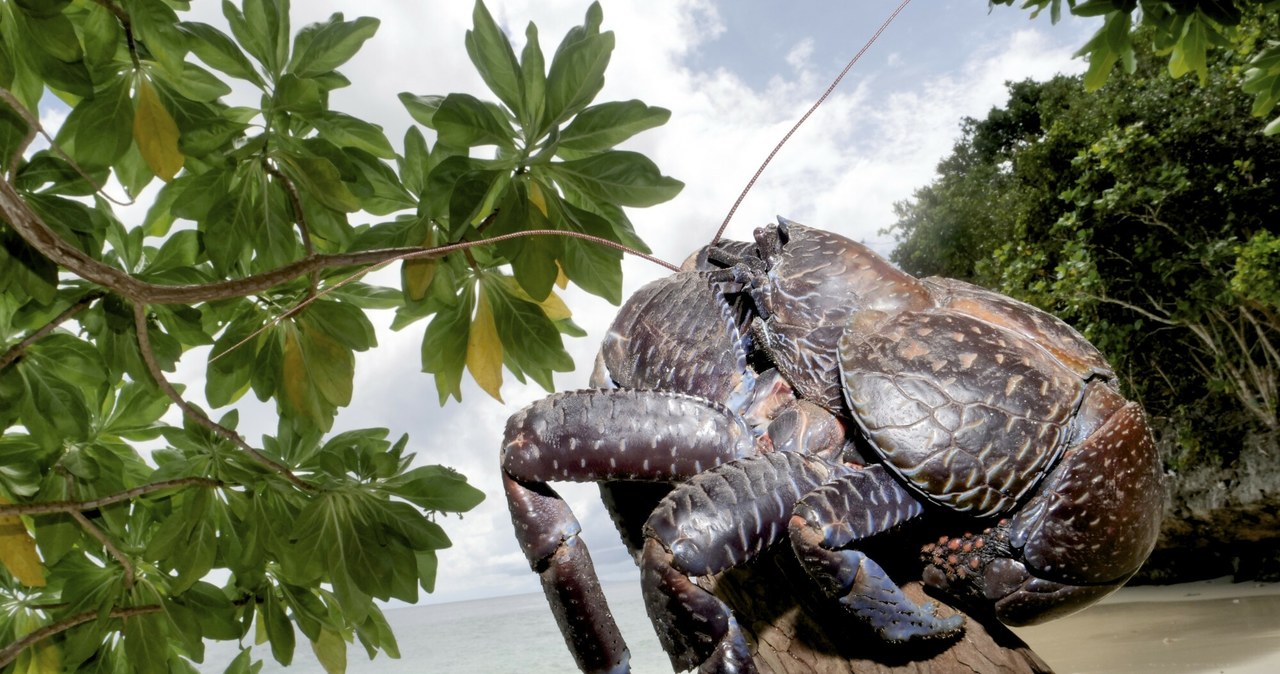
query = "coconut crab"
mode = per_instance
[{"x": 801, "y": 390}]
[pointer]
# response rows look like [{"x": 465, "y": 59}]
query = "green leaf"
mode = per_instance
[
  {"x": 444, "y": 346},
  {"x": 136, "y": 412},
  {"x": 196, "y": 83},
  {"x": 219, "y": 51},
  {"x": 99, "y": 129},
  {"x": 232, "y": 361},
  {"x": 321, "y": 47},
  {"x": 52, "y": 409},
  {"x": 436, "y": 488},
  {"x": 428, "y": 563},
  {"x": 469, "y": 202},
  {"x": 347, "y": 131},
  {"x": 413, "y": 166},
  {"x": 603, "y": 126},
  {"x": 300, "y": 96},
  {"x": 617, "y": 177},
  {"x": 1106, "y": 48},
  {"x": 316, "y": 373},
  {"x": 533, "y": 72},
  {"x": 187, "y": 541},
  {"x": 331, "y": 651},
  {"x": 154, "y": 24},
  {"x": 1189, "y": 51},
  {"x": 533, "y": 259},
  {"x": 146, "y": 643},
  {"x": 577, "y": 75},
  {"x": 596, "y": 269},
  {"x": 421, "y": 108},
  {"x": 320, "y": 178},
  {"x": 279, "y": 629},
  {"x": 263, "y": 30},
  {"x": 495, "y": 60},
  {"x": 464, "y": 121}
]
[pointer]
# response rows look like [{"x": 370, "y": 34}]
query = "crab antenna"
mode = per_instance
[{"x": 834, "y": 83}]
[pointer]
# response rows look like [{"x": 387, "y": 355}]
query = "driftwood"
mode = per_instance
[{"x": 792, "y": 630}]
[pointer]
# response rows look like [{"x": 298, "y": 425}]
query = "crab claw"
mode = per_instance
[{"x": 1023, "y": 599}]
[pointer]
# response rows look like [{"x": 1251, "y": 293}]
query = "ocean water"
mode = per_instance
[
  {"x": 514, "y": 634},
  {"x": 1207, "y": 627}
]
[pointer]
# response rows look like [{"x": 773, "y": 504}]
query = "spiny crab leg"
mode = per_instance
[
  {"x": 854, "y": 507},
  {"x": 596, "y": 435},
  {"x": 714, "y": 521}
]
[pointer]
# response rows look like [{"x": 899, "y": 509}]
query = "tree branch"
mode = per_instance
[
  {"x": 196, "y": 414},
  {"x": 295, "y": 202},
  {"x": 49, "y": 507},
  {"x": 15, "y": 351},
  {"x": 127, "y": 24},
  {"x": 32, "y": 229},
  {"x": 10, "y": 653},
  {"x": 101, "y": 537}
]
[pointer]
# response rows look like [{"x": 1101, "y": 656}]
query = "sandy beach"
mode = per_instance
[{"x": 1210, "y": 626}]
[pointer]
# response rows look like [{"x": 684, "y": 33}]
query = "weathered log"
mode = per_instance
[{"x": 793, "y": 630}]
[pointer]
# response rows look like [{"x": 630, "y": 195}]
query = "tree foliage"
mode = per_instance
[
  {"x": 1187, "y": 33},
  {"x": 1144, "y": 213},
  {"x": 126, "y": 541}
]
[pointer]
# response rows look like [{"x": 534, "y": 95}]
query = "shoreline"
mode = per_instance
[{"x": 1204, "y": 626}]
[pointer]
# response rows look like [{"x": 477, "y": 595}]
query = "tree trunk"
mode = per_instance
[{"x": 794, "y": 630}]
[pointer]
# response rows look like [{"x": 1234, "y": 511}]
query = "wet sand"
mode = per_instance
[{"x": 1211, "y": 626}]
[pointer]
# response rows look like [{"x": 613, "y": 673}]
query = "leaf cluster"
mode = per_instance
[
  {"x": 1144, "y": 213},
  {"x": 118, "y": 556},
  {"x": 554, "y": 166},
  {"x": 1185, "y": 32}
]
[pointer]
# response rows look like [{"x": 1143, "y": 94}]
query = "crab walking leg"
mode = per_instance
[
  {"x": 716, "y": 520},
  {"x": 591, "y": 436},
  {"x": 851, "y": 508}
]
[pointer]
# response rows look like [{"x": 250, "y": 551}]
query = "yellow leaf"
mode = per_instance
[
  {"x": 418, "y": 274},
  {"x": 42, "y": 658},
  {"x": 156, "y": 133},
  {"x": 18, "y": 551},
  {"x": 562, "y": 281},
  {"x": 535, "y": 196},
  {"x": 331, "y": 651},
  {"x": 484, "y": 350},
  {"x": 554, "y": 307},
  {"x": 297, "y": 384}
]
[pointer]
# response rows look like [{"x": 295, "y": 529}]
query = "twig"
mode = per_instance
[
  {"x": 48, "y": 507},
  {"x": 127, "y": 24},
  {"x": 101, "y": 537},
  {"x": 10, "y": 653},
  {"x": 33, "y": 122},
  {"x": 300, "y": 218},
  {"x": 12, "y": 353},
  {"x": 196, "y": 414}
]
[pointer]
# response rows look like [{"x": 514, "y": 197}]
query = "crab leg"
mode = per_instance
[
  {"x": 716, "y": 520},
  {"x": 851, "y": 508},
  {"x": 591, "y": 436}
]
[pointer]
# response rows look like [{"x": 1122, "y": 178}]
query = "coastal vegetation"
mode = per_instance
[{"x": 126, "y": 540}]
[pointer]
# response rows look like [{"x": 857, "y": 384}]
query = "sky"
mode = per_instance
[{"x": 736, "y": 74}]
